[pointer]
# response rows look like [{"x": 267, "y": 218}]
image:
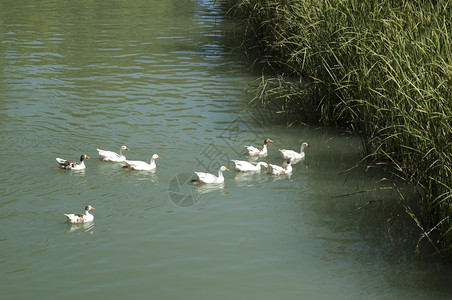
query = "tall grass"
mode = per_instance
[{"x": 383, "y": 68}]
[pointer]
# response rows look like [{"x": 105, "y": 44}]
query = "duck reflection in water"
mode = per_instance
[
  {"x": 87, "y": 227},
  {"x": 209, "y": 188},
  {"x": 249, "y": 178}
]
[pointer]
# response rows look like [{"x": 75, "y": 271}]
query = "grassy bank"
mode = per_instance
[{"x": 383, "y": 68}]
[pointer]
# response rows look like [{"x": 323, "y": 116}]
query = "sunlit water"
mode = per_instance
[{"x": 156, "y": 76}]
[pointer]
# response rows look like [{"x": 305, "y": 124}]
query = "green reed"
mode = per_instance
[{"x": 383, "y": 68}]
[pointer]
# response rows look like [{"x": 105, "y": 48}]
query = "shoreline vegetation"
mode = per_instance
[{"x": 380, "y": 68}]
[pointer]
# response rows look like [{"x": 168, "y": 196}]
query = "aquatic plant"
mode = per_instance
[{"x": 382, "y": 68}]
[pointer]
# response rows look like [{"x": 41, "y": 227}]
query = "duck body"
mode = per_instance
[
  {"x": 141, "y": 165},
  {"x": 106, "y": 155},
  {"x": 210, "y": 178},
  {"x": 256, "y": 151},
  {"x": 294, "y": 155},
  {"x": 245, "y": 166},
  {"x": 278, "y": 170},
  {"x": 72, "y": 165},
  {"x": 81, "y": 218}
]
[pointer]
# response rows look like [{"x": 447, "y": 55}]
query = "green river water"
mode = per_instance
[{"x": 158, "y": 77}]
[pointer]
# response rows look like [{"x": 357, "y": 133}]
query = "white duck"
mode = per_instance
[
  {"x": 293, "y": 155},
  {"x": 141, "y": 165},
  {"x": 81, "y": 218},
  {"x": 72, "y": 165},
  {"x": 245, "y": 166},
  {"x": 278, "y": 170},
  {"x": 112, "y": 156},
  {"x": 210, "y": 178},
  {"x": 256, "y": 151}
]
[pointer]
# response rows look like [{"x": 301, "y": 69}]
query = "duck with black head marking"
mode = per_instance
[
  {"x": 81, "y": 218},
  {"x": 72, "y": 165},
  {"x": 278, "y": 170},
  {"x": 256, "y": 151}
]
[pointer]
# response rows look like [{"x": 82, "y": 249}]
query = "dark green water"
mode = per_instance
[{"x": 157, "y": 77}]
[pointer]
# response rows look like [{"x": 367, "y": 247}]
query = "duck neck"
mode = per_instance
[
  {"x": 302, "y": 148},
  {"x": 289, "y": 168},
  {"x": 152, "y": 162},
  {"x": 220, "y": 174}
]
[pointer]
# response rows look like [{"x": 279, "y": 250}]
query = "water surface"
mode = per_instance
[{"x": 156, "y": 76}]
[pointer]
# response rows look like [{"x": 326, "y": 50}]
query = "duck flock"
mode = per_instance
[{"x": 290, "y": 157}]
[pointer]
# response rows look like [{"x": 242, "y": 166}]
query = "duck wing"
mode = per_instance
[{"x": 66, "y": 164}]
